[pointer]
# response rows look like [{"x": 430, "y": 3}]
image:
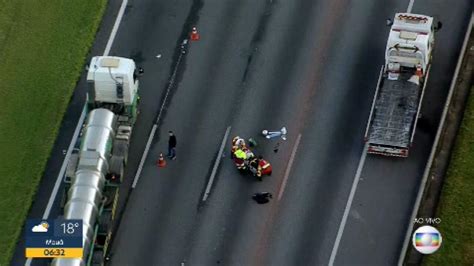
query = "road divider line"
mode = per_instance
[
  {"x": 288, "y": 167},
  {"x": 170, "y": 82},
  {"x": 155, "y": 125},
  {"x": 142, "y": 161},
  {"x": 410, "y": 6},
  {"x": 348, "y": 206},
  {"x": 115, "y": 27},
  {"x": 216, "y": 165},
  {"x": 426, "y": 173}
]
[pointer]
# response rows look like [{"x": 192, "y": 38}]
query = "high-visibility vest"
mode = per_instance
[{"x": 240, "y": 154}]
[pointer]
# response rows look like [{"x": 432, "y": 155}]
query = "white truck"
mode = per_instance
[
  {"x": 96, "y": 166},
  {"x": 401, "y": 85}
]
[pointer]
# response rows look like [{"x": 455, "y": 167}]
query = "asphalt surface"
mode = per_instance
[
  {"x": 311, "y": 66},
  {"x": 300, "y": 65}
]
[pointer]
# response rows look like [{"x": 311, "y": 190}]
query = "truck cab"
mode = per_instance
[
  {"x": 112, "y": 80},
  {"x": 410, "y": 42}
]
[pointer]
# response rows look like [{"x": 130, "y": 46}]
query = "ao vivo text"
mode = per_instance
[{"x": 427, "y": 220}]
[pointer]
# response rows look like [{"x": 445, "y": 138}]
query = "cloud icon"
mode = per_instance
[{"x": 40, "y": 228}]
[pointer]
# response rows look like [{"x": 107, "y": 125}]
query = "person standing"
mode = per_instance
[{"x": 172, "y": 146}]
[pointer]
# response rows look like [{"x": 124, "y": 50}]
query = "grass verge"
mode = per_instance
[
  {"x": 456, "y": 206},
  {"x": 43, "y": 45}
]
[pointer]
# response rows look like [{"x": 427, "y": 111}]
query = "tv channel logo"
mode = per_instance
[{"x": 427, "y": 239}]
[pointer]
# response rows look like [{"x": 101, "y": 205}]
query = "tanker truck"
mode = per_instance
[
  {"x": 401, "y": 85},
  {"x": 96, "y": 165}
]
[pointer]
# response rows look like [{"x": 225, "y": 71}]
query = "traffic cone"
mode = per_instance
[
  {"x": 194, "y": 34},
  {"x": 419, "y": 72},
  {"x": 161, "y": 161}
]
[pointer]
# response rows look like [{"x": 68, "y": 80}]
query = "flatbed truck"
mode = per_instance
[{"x": 401, "y": 86}]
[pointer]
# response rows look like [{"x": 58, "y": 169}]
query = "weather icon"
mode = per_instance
[{"x": 40, "y": 228}]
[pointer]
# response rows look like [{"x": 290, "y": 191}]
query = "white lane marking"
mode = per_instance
[
  {"x": 216, "y": 165},
  {"x": 410, "y": 6},
  {"x": 79, "y": 125},
  {"x": 142, "y": 161},
  {"x": 348, "y": 206},
  {"x": 115, "y": 28},
  {"x": 155, "y": 126},
  {"x": 424, "y": 180},
  {"x": 64, "y": 165},
  {"x": 288, "y": 168}
]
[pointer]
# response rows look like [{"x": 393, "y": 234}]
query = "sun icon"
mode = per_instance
[{"x": 45, "y": 225}]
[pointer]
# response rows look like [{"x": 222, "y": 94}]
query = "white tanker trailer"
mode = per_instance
[{"x": 96, "y": 166}]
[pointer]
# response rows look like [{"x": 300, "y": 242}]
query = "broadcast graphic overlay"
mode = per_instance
[
  {"x": 427, "y": 239},
  {"x": 53, "y": 238}
]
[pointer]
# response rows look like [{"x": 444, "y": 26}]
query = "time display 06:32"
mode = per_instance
[{"x": 54, "y": 252}]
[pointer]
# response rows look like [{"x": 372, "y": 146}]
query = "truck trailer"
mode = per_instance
[
  {"x": 96, "y": 165},
  {"x": 401, "y": 86}
]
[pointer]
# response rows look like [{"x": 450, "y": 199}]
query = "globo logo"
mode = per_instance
[{"x": 427, "y": 239}]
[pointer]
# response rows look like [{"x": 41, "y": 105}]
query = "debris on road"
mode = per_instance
[
  {"x": 262, "y": 197},
  {"x": 273, "y": 134}
]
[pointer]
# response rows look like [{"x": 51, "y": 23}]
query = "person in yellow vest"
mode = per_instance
[
  {"x": 237, "y": 143},
  {"x": 239, "y": 158}
]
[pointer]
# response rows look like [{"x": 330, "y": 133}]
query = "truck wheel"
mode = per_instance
[
  {"x": 120, "y": 149},
  {"x": 109, "y": 196},
  {"x": 105, "y": 222},
  {"x": 63, "y": 199},
  {"x": 98, "y": 258},
  {"x": 117, "y": 167}
]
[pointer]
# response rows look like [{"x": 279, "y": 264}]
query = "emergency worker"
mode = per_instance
[
  {"x": 264, "y": 167},
  {"x": 254, "y": 163},
  {"x": 248, "y": 153},
  {"x": 239, "y": 158},
  {"x": 238, "y": 141}
]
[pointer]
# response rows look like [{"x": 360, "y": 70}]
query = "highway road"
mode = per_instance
[
  {"x": 311, "y": 66},
  {"x": 387, "y": 190}
]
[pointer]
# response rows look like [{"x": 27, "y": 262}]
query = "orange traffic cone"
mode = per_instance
[
  {"x": 161, "y": 161},
  {"x": 194, "y": 34},
  {"x": 419, "y": 72}
]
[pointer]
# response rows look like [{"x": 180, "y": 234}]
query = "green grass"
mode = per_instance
[
  {"x": 456, "y": 208},
  {"x": 43, "y": 45}
]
